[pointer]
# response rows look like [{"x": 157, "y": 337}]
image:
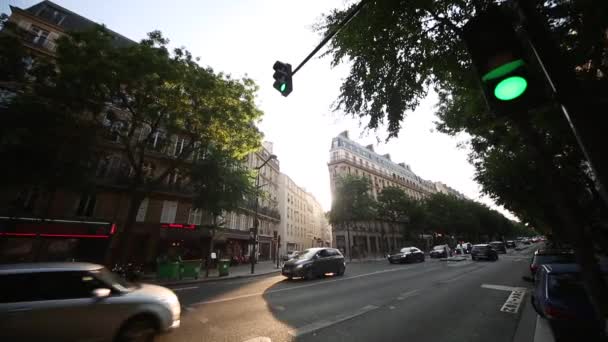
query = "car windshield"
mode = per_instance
[
  {"x": 113, "y": 279},
  {"x": 306, "y": 254},
  {"x": 438, "y": 248},
  {"x": 405, "y": 250}
]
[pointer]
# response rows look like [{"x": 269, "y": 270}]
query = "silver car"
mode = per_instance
[{"x": 80, "y": 301}]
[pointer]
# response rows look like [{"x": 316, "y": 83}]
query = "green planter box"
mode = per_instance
[
  {"x": 168, "y": 270},
  {"x": 223, "y": 267},
  {"x": 191, "y": 268}
]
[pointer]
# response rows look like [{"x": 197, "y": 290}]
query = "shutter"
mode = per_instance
[
  {"x": 141, "y": 212},
  {"x": 169, "y": 211}
]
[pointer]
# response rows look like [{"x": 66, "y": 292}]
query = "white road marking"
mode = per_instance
[
  {"x": 515, "y": 298},
  {"x": 408, "y": 294},
  {"x": 203, "y": 320},
  {"x": 306, "y": 329},
  {"x": 279, "y": 307},
  {"x": 301, "y": 286},
  {"x": 391, "y": 307},
  {"x": 259, "y": 339},
  {"x": 185, "y": 288},
  {"x": 514, "y": 301},
  {"x": 501, "y": 287}
]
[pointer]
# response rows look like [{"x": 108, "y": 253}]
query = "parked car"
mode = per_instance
[
  {"x": 440, "y": 251},
  {"x": 406, "y": 254},
  {"x": 526, "y": 241},
  {"x": 483, "y": 251},
  {"x": 559, "y": 297},
  {"x": 550, "y": 256},
  {"x": 290, "y": 255},
  {"x": 315, "y": 262},
  {"x": 81, "y": 301},
  {"x": 499, "y": 246},
  {"x": 511, "y": 244}
]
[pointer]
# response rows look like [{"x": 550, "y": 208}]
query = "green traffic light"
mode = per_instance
[
  {"x": 510, "y": 88},
  {"x": 283, "y": 87}
]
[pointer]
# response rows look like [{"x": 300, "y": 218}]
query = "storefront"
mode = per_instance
[{"x": 27, "y": 239}]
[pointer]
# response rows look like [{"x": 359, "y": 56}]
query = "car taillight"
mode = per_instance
[
  {"x": 533, "y": 268},
  {"x": 555, "y": 313}
]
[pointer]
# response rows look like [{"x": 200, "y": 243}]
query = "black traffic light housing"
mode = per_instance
[
  {"x": 502, "y": 64},
  {"x": 282, "y": 78}
]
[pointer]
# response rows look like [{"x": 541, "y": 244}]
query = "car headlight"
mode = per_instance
[
  {"x": 299, "y": 266},
  {"x": 173, "y": 304}
]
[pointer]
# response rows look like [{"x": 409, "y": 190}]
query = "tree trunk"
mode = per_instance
[{"x": 125, "y": 239}]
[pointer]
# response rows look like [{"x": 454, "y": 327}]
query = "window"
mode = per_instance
[
  {"x": 56, "y": 286},
  {"x": 86, "y": 204},
  {"x": 39, "y": 36},
  {"x": 178, "y": 146},
  {"x": 141, "y": 212},
  {"x": 52, "y": 15},
  {"x": 168, "y": 212},
  {"x": 195, "y": 216}
]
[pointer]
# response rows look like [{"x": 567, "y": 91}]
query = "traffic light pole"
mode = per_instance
[
  {"x": 343, "y": 23},
  {"x": 562, "y": 81}
]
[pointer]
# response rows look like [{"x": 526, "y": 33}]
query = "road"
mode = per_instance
[{"x": 374, "y": 301}]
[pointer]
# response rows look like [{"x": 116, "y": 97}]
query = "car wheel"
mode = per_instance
[
  {"x": 390, "y": 261},
  {"x": 341, "y": 270},
  {"x": 474, "y": 258},
  {"x": 309, "y": 274},
  {"x": 136, "y": 330},
  {"x": 495, "y": 258}
]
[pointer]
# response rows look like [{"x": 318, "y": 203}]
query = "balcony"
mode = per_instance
[
  {"x": 40, "y": 42},
  {"x": 270, "y": 212},
  {"x": 121, "y": 178}
]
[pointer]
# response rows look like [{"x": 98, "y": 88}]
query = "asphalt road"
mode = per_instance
[{"x": 374, "y": 301}]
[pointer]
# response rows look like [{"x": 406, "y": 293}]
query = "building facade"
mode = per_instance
[
  {"x": 347, "y": 157},
  {"x": 302, "y": 219},
  {"x": 165, "y": 223}
]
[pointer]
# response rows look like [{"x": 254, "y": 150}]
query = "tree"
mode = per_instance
[
  {"x": 398, "y": 209},
  {"x": 152, "y": 101},
  {"x": 222, "y": 184},
  {"x": 352, "y": 204},
  {"x": 533, "y": 169}
]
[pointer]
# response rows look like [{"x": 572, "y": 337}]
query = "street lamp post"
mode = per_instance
[{"x": 255, "y": 216}]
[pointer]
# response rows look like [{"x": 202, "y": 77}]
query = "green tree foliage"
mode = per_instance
[
  {"x": 149, "y": 100},
  {"x": 221, "y": 184},
  {"x": 352, "y": 202},
  {"x": 399, "y": 50}
]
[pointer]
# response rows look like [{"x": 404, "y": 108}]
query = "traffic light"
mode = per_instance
[
  {"x": 282, "y": 78},
  {"x": 501, "y": 62}
]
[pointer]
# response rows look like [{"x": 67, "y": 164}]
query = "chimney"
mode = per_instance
[
  {"x": 344, "y": 134},
  {"x": 387, "y": 156},
  {"x": 370, "y": 147},
  {"x": 402, "y": 165}
]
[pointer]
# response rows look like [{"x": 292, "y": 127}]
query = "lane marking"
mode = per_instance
[
  {"x": 306, "y": 329},
  {"x": 501, "y": 287},
  {"x": 221, "y": 300},
  {"x": 514, "y": 301},
  {"x": 185, "y": 288},
  {"x": 259, "y": 339},
  {"x": 391, "y": 307},
  {"x": 408, "y": 294}
]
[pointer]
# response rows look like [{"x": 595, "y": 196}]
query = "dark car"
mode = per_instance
[
  {"x": 483, "y": 252},
  {"x": 550, "y": 256},
  {"x": 511, "y": 244},
  {"x": 559, "y": 297},
  {"x": 315, "y": 262},
  {"x": 406, "y": 254},
  {"x": 498, "y": 246},
  {"x": 440, "y": 251}
]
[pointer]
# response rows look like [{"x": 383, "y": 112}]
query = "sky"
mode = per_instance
[{"x": 245, "y": 38}]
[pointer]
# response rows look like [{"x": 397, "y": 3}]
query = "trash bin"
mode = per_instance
[
  {"x": 190, "y": 268},
  {"x": 168, "y": 270},
  {"x": 223, "y": 267}
]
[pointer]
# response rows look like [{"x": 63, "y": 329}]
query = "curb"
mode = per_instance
[{"x": 214, "y": 279}]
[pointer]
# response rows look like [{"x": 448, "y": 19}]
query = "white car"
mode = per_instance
[
  {"x": 80, "y": 301},
  {"x": 290, "y": 255}
]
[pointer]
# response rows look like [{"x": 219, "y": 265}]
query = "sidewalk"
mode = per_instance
[{"x": 240, "y": 271}]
